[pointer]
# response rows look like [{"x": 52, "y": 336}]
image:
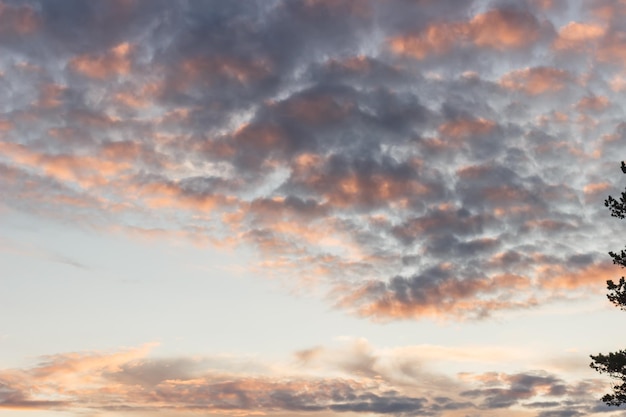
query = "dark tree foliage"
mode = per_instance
[
  {"x": 618, "y": 208},
  {"x": 614, "y": 363}
]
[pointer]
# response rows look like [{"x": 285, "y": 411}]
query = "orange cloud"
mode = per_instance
[
  {"x": 96, "y": 382},
  {"x": 593, "y": 189},
  {"x": 134, "y": 153},
  {"x": 307, "y": 164},
  {"x": 121, "y": 150},
  {"x": 607, "y": 10},
  {"x": 88, "y": 171},
  {"x": 139, "y": 97},
  {"x": 92, "y": 120},
  {"x": 438, "y": 145},
  {"x": 552, "y": 117},
  {"x": 560, "y": 277},
  {"x": 560, "y": 117},
  {"x": 549, "y": 225},
  {"x": 496, "y": 29},
  {"x": 49, "y": 96},
  {"x": 5, "y": 125},
  {"x": 355, "y": 64},
  {"x": 171, "y": 195},
  {"x": 377, "y": 189},
  {"x": 18, "y": 20},
  {"x": 612, "y": 49},
  {"x": 210, "y": 70},
  {"x": 351, "y": 188},
  {"x": 537, "y": 80},
  {"x": 436, "y": 39},
  {"x": 114, "y": 62},
  {"x": 85, "y": 366},
  {"x": 576, "y": 35},
  {"x": 263, "y": 137},
  {"x": 592, "y": 104},
  {"x": 504, "y": 29},
  {"x": 450, "y": 298},
  {"x": 506, "y": 194},
  {"x": 464, "y": 128},
  {"x": 199, "y": 236},
  {"x": 60, "y": 380},
  {"x": 85, "y": 170},
  {"x": 285, "y": 237}
]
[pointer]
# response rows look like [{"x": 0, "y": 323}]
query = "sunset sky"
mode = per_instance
[{"x": 309, "y": 207}]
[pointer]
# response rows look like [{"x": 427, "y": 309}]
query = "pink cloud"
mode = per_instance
[
  {"x": 50, "y": 96},
  {"x": 594, "y": 190},
  {"x": 113, "y": 62},
  {"x": 592, "y": 104},
  {"x": 88, "y": 171},
  {"x": 504, "y": 29},
  {"x": 18, "y": 20},
  {"x": 447, "y": 299},
  {"x": 560, "y": 277},
  {"x": 209, "y": 71},
  {"x": 537, "y": 80},
  {"x": 436, "y": 39},
  {"x": 612, "y": 48},
  {"x": 464, "y": 128},
  {"x": 5, "y": 125},
  {"x": 577, "y": 36},
  {"x": 496, "y": 29}
]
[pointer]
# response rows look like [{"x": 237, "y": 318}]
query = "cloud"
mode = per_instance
[
  {"x": 576, "y": 36},
  {"x": 363, "y": 379},
  {"x": 18, "y": 20},
  {"x": 434, "y": 40},
  {"x": 503, "y": 29},
  {"x": 539, "y": 80},
  {"x": 501, "y": 391},
  {"x": 497, "y": 29},
  {"x": 437, "y": 293},
  {"x": 128, "y": 380},
  {"x": 113, "y": 62},
  {"x": 592, "y": 104},
  {"x": 408, "y": 157}
]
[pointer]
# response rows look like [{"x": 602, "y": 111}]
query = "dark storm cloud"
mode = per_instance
[{"x": 413, "y": 156}]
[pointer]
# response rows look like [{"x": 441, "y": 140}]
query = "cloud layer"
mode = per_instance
[
  {"x": 367, "y": 380},
  {"x": 413, "y": 159}
]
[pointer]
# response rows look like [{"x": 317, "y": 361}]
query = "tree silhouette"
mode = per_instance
[{"x": 614, "y": 363}]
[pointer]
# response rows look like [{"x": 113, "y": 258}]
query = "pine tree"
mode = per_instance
[{"x": 614, "y": 363}]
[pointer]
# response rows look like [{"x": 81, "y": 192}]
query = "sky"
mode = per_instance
[{"x": 309, "y": 208}]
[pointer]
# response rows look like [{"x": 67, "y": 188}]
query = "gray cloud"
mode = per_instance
[
  {"x": 433, "y": 148},
  {"x": 130, "y": 381}
]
